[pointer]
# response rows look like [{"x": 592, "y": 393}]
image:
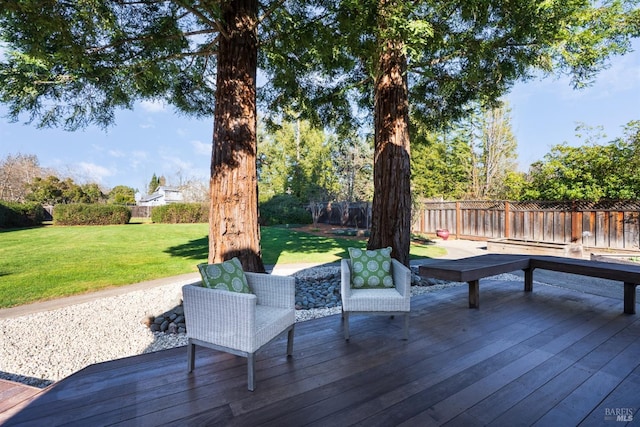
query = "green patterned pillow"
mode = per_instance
[
  {"x": 227, "y": 276},
  {"x": 371, "y": 269}
]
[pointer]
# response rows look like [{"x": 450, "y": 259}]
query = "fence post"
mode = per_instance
[
  {"x": 575, "y": 226},
  {"x": 507, "y": 228},
  {"x": 458, "y": 220}
]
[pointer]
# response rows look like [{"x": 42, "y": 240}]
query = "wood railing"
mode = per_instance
[{"x": 613, "y": 225}]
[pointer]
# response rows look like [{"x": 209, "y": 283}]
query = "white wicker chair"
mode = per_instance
[
  {"x": 240, "y": 323},
  {"x": 388, "y": 301}
]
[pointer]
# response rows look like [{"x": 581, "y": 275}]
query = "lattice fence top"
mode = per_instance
[
  {"x": 577, "y": 206},
  {"x": 466, "y": 204}
]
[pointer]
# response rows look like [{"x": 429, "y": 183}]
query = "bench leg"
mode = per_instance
[
  {"x": 474, "y": 294},
  {"x": 528, "y": 279},
  {"x": 630, "y": 298}
]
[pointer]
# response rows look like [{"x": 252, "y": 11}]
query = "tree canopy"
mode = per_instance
[
  {"x": 593, "y": 171},
  {"x": 457, "y": 52}
]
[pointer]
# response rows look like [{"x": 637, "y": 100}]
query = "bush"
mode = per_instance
[
  {"x": 180, "y": 213},
  {"x": 90, "y": 214},
  {"x": 14, "y": 215},
  {"x": 284, "y": 209}
]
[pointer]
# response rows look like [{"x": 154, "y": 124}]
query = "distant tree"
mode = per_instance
[
  {"x": 195, "y": 191},
  {"x": 592, "y": 171},
  {"x": 153, "y": 184},
  {"x": 52, "y": 190},
  {"x": 440, "y": 164},
  {"x": 493, "y": 150},
  {"x": 17, "y": 172},
  {"x": 353, "y": 160},
  {"x": 296, "y": 159},
  {"x": 48, "y": 191},
  {"x": 473, "y": 158},
  {"x": 122, "y": 195},
  {"x": 93, "y": 193}
]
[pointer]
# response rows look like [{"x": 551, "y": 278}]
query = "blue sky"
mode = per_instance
[{"x": 153, "y": 139}]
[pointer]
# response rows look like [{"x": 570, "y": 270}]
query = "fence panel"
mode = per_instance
[{"x": 613, "y": 225}]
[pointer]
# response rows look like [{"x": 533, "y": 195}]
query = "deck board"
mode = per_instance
[{"x": 552, "y": 357}]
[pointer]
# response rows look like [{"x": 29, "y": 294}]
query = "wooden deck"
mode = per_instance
[{"x": 554, "y": 357}]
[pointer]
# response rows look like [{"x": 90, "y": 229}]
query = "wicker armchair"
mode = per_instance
[
  {"x": 388, "y": 301},
  {"x": 240, "y": 323}
]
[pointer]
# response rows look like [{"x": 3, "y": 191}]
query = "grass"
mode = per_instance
[{"x": 50, "y": 262}]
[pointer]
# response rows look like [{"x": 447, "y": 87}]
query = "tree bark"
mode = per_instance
[
  {"x": 233, "y": 217},
  {"x": 391, "y": 211}
]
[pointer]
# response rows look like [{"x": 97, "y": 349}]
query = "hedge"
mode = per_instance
[
  {"x": 16, "y": 215},
  {"x": 180, "y": 213},
  {"x": 90, "y": 214}
]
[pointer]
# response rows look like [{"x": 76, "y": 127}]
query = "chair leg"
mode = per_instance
[
  {"x": 345, "y": 315},
  {"x": 191, "y": 356},
  {"x": 406, "y": 326},
  {"x": 290, "y": 341},
  {"x": 251, "y": 371}
]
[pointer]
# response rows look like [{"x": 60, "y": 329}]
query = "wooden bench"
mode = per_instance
[{"x": 472, "y": 269}]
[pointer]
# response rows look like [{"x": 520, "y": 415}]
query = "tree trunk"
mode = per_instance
[
  {"x": 391, "y": 212},
  {"x": 233, "y": 219}
]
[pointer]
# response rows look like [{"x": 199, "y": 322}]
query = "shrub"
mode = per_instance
[
  {"x": 90, "y": 214},
  {"x": 14, "y": 215},
  {"x": 284, "y": 209},
  {"x": 180, "y": 213}
]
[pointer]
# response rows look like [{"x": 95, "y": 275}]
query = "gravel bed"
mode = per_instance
[{"x": 41, "y": 348}]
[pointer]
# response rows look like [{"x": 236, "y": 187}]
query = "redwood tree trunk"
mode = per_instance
[
  {"x": 233, "y": 219},
  {"x": 391, "y": 211}
]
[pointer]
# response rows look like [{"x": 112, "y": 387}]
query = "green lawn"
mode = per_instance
[{"x": 50, "y": 262}]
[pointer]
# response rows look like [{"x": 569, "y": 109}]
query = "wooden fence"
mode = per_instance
[{"x": 613, "y": 225}]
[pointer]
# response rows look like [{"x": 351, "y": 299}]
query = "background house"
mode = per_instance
[{"x": 162, "y": 196}]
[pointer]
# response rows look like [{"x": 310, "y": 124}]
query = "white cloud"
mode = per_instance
[
  {"x": 93, "y": 171},
  {"x": 137, "y": 158},
  {"x": 201, "y": 148},
  {"x": 116, "y": 153},
  {"x": 153, "y": 106},
  {"x": 139, "y": 154},
  {"x": 148, "y": 124}
]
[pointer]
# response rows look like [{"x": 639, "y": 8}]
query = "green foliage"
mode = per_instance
[
  {"x": 473, "y": 158},
  {"x": 51, "y": 191},
  {"x": 284, "y": 209},
  {"x": 122, "y": 195},
  {"x": 353, "y": 160},
  {"x": 71, "y": 64},
  {"x": 15, "y": 215},
  {"x": 297, "y": 159},
  {"x": 592, "y": 172},
  {"x": 440, "y": 164},
  {"x": 155, "y": 183},
  {"x": 494, "y": 151},
  {"x": 90, "y": 214},
  {"x": 458, "y": 52},
  {"x": 513, "y": 186},
  {"x": 180, "y": 213}
]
